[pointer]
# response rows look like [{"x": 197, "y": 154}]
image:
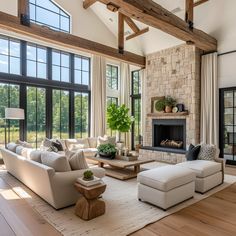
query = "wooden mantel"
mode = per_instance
[
  {"x": 152, "y": 14},
  {"x": 13, "y": 24}
]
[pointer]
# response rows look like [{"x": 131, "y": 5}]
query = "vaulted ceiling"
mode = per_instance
[{"x": 207, "y": 17}]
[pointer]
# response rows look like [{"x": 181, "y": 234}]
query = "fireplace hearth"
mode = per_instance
[{"x": 169, "y": 134}]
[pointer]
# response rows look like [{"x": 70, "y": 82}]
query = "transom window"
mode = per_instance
[
  {"x": 112, "y": 100},
  {"x": 81, "y": 69},
  {"x": 60, "y": 66},
  {"x": 112, "y": 77},
  {"x": 10, "y": 56},
  {"x": 46, "y": 12},
  {"x": 136, "y": 84},
  {"x": 36, "y": 61}
]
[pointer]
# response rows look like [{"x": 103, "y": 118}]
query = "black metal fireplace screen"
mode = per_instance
[{"x": 169, "y": 133}]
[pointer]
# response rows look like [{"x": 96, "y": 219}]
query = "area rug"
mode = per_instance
[{"x": 124, "y": 213}]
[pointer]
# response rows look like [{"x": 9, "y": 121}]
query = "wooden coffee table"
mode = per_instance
[
  {"x": 88, "y": 205},
  {"x": 120, "y": 169}
]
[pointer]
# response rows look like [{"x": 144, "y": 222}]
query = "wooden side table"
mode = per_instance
[{"x": 88, "y": 205}]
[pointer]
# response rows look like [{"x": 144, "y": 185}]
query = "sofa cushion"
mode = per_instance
[
  {"x": 35, "y": 155},
  {"x": 90, "y": 152},
  {"x": 193, "y": 152},
  {"x": 202, "y": 168},
  {"x": 56, "y": 161},
  {"x": 77, "y": 160},
  {"x": 24, "y": 151},
  {"x": 92, "y": 142},
  {"x": 12, "y": 147},
  {"x": 166, "y": 178},
  {"x": 207, "y": 152}
]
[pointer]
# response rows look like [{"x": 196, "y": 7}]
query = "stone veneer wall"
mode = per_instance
[{"x": 175, "y": 72}]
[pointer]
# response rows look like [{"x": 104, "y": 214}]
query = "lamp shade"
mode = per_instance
[{"x": 14, "y": 114}]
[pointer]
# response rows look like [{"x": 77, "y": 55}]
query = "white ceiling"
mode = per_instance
[{"x": 208, "y": 17}]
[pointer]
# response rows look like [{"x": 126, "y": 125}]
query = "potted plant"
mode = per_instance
[
  {"x": 118, "y": 119},
  {"x": 169, "y": 103},
  {"x": 160, "y": 105},
  {"x": 88, "y": 175},
  {"x": 107, "y": 151}
]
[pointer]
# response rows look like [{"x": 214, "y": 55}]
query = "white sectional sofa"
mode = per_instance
[{"x": 56, "y": 188}]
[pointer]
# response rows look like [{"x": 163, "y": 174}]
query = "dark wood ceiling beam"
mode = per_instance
[
  {"x": 88, "y": 3},
  {"x": 121, "y": 32},
  {"x": 189, "y": 13},
  {"x": 199, "y": 2},
  {"x": 12, "y": 23},
  {"x": 152, "y": 14},
  {"x": 131, "y": 24},
  {"x": 140, "y": 32}
]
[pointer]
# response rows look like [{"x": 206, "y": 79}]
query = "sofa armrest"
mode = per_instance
[{"x": 222, "y": 161}]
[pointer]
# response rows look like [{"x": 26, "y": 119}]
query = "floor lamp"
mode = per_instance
[{"x": 13, "y": 114}]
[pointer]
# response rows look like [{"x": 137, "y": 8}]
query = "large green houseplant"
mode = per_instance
[{"x": 118, "y": 119}]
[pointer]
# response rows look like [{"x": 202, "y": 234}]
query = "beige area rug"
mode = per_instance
[{"x": 124, "y": 213}]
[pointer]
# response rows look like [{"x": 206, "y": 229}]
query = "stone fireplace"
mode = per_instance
[{"x": 175, "y": 72}]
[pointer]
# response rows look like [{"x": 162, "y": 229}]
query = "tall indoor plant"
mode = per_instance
[{"x": 118, "y": 119}]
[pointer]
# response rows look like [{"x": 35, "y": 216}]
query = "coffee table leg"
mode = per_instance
[
  {"x": 137, "y": 169},
  {"x": 100, "y": 164}
]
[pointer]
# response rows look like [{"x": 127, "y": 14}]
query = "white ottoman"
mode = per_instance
[
  {"x": 166, "y": 186},
  {"x": 209, "y": 174}
]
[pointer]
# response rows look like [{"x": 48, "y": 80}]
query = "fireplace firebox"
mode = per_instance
[{"x": 169, "y": 134}]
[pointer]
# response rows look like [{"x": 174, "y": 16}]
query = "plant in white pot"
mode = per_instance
[{"x": 118, "y": 119}]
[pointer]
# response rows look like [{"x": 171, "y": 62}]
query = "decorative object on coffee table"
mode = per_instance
[
  {"x": 88, "y": 205},
  {"x": 107, "y": 151}
]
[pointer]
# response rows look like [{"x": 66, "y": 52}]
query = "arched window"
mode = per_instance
[{"x": 46, "y": 12}]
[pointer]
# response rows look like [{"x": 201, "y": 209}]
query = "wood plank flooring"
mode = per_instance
[{"x": 215, "y": 215}]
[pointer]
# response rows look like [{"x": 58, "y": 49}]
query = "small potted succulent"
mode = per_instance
[
  {"x": 169, "y": 104},
  {"x": 88, "y": 175},
  {"x": 107, "y": 151}
]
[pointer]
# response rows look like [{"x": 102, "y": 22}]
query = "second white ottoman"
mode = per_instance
[{"x": 166, "y": 186}]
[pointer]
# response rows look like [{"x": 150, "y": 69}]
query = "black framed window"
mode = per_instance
[
  {"x": 10, "y": 55},
  {"x": 81, "y": 70},
  {"x": 136, "y": 108},
  {"x": 60, "y": 66},
  {"x": 9, "y": 98},
  {"x": 36, "y": 115},
  {"x": 81, "y": 101},
  {"x": 112, "y": 76},
  {"x": 60, "y": 111},
  {"x": 228, "y": 124},
  {"x": 36, "y": 61},
  {"x": 56, "y": 106},
  {"x": 46, "y": 12}
]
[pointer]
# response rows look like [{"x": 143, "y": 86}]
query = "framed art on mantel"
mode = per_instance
[{"x": 153, "y": 103}]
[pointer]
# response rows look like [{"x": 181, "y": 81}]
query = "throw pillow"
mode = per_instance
[
  {"x": 12, "y": 147},
  {"x": 24, "y": 144},
  {"x": 207, "y": 152},
  {"x": 76, "y": 144},
  {"x": 105, "y": 140},
  {"x": 23, "y": 151},
  {"x": 50, "y": 144},
  {"x": 58, "y": 162},
  {"x": 92, "y": 142},
  {"x": 193, "y": 152},
  {"x": 77, "y": 160}
]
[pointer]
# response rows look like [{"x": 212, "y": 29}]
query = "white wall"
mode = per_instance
[{"x": 85, "y": 23}]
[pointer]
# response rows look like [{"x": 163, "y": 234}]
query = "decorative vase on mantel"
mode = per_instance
[{"x": 168, "y": 109}]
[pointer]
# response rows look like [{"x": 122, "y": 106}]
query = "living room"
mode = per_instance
[{"x": 117, "y": 117}]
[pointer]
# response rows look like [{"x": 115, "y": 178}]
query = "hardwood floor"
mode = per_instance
[{"x": 212, "y": 216}]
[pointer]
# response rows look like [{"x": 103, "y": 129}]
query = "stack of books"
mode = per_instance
[{"x": 89, "y": 183}]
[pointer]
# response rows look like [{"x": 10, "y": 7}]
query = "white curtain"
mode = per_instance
[
  {"x": 143, "y": 102},
  {"x": 98, "y": 96},
  {"x": 125, "y": 94},
  {"x": 209, "y": 100}
]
